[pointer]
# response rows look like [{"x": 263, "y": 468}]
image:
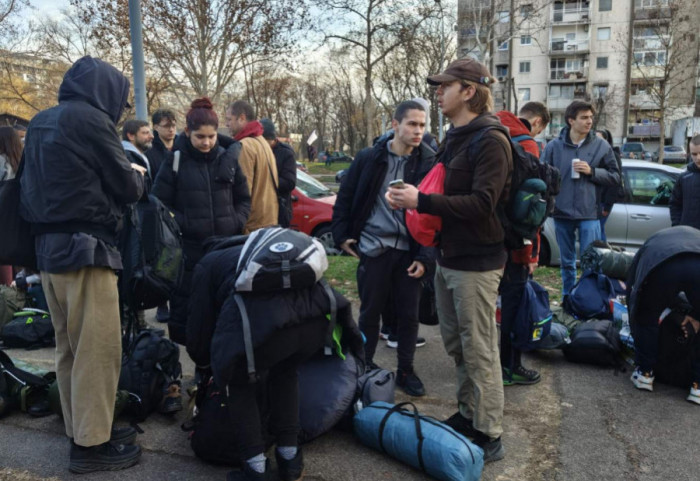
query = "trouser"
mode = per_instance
[
  {"x": 565, "y": 229},
  {"x": 84, "y": 308},
  {"x": 512, "y": 287},
  {"x": 277, "y": 360},
  {"x": 466, "y": 306},
  {"x": 661, "y": 287},
  {"x": 378, "y": 278}
]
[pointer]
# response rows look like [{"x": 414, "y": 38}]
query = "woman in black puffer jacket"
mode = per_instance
[{"x": 208, "y": 195}]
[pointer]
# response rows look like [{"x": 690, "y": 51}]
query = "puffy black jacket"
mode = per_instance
[
  {"x": 76, "y": 176},
  {"x": 157, "y": 154},
  {"x": 685, "y": 199},
  {"x": 360, "y": 188},
  {"x": 209, "y": 194},
  {"x": 285, "y": 159}
]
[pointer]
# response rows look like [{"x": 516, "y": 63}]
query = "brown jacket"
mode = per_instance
[
  {"x": 477, "y": 182},
  {"x": 258, "y": 164}
]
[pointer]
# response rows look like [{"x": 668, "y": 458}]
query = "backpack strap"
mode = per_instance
[
  {"x": 247, "y": 338},
  {"x": 23, "y": 377},
  {"x": 328, "y": 349},
  {"x": 419, "y": 431},
  {"x": 520, "y": 138},
  {"x": 176, "y": 161}
]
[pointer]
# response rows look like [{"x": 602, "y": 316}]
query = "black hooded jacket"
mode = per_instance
[
  {"x": 158, "y": 154},
  {"x": 76, "y": 176},
  {"x": 685, "y": 199}
]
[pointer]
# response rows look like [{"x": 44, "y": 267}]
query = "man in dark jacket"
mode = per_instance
[
  {"x": 586, "y": 163},
  {"x": 76, "y": 183},
  {"x": 472, "y": 253},
  {"x": 136, "y": 140},
  {"x": 286, "y": 171},
  {"x": 685, "y": 199},
  {"x": 364, "y": 226},
  {"x": 667, "y": 264}
]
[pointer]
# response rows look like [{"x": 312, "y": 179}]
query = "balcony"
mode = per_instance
[
  {"x": 566, "y": 76},
  {"x": 561, "y": 103},
  {"x": 647, "y": 129},
  {"x": 643, "y": 101},
  {"x": 570, "y": 15},
  {"x": 562, "y": 46}
]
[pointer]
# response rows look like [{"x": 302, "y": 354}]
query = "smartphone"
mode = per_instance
[{"x": 397, "y": 184}]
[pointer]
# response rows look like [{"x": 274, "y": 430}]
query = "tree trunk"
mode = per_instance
[{"x": 662, "y": 136}]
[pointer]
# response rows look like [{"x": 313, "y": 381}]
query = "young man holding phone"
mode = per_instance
[{"x": 366, "y": 227}]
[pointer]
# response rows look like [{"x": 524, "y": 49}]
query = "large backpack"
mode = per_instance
[
  {"x": 534, "y": 319},
  {"x": 30, "y": 328},
  {"x": 23, "y": 386},
  {"x": 533, "y": 187},
  {"x": 152, "y": 254},
  {"x": 594, "y": 342},
  {"x": 590, "y": 296}
]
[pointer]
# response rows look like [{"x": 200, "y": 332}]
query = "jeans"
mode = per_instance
[{"x": 588, "y": 231}]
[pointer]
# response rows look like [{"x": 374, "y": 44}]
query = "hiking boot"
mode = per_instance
[
  {"x": 493, "y": 449},
  {"x": 643, "y": 380},
  {"x": 462, "y": 425},
  {"x": 520, "y": 375},
  {"x": 246, "y": 473},
  {"x": 108, "y": 456},
  {"x": 172, "y": 400},
  {"x": 694, "y": 396},
  {"x": 290, "y": 469},
  {"x": 163, "y": 313},
  {"x": 410, "y": 383},
  {"x": 384, "y": 333},
  {"x": 126, "y": 435},
  {"x": 393, "y": 341}
]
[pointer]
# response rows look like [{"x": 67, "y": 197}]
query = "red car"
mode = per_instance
[{"x": 312, "y": 210}]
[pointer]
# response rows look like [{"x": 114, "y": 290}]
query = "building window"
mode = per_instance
[
  {"x": 600, "y": 91},
  {"x": 504, "y": 17},
  {"x": 604, "y": 33},
  {"x": 604, "y": 5},
  {"x": 501, "y": 70},
  {"x": 525, "y": 67},
  {"x": 523, "y": 95},
  {"x": 526, "y": 40},
  {"x": 525, "y": 10},
  {"x": 601, "y": 62},
  {"x": 503, "y": 46},
  {"x": 650, "y": 3}
]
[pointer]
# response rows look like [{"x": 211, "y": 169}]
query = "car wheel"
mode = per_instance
[
  {"x": 545, "y": 257},
  {"x": 324, "y": 234}
]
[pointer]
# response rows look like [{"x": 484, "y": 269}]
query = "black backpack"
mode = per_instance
[
  {"x": 594, "y": 342},
  {"x": 152, "y": 255},
  {"x": 150, "y": 363},
  {"x": 533, "y": 187},
  {"x": 30, "y": 328}
]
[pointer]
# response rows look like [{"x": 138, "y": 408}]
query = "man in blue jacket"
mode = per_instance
[
  {"x": 366, "y": 227},
  {"x": 585, "y": 162},
  {"x": 76, "y": 183}
]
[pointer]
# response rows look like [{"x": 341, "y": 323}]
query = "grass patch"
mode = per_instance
[
  {"x": 678, "y": 166},
  {"x": 341, "y": 276},
  {"x": 319, "y": 168},
  {"x": 550, "y": 279}
]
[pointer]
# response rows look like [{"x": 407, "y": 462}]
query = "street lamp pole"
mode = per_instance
[
  {"x": 442, "y": 61},
  {"x": 138, "y": 63}
]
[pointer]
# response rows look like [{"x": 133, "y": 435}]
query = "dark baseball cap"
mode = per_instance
[{"x": 464, "y": 69}]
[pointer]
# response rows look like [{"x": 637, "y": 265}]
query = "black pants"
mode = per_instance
[
  {"x": 512, "y": 287},
  {"x": 277, "y": 361},
  {"x": 378, "y": 278},
  {"x": 678, "y": 274}
]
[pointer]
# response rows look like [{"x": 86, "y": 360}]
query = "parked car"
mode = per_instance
[
  {"x": 302, "y": 167},
  {"x": 634, "y": 150},
  {"x": 312, "y": 210},
  {"x": 631, "y": 222},
  {"x": 672, "y": 155},
  {"x": 335, "y": 156}
]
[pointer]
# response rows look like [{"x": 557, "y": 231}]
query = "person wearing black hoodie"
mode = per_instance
[
  {"x": 207, "y": 192},
  {"x": 76, "y": 183}
]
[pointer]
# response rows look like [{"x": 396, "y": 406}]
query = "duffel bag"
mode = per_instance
[
  {"x": 376, "y": 385},
  {"x": 594, "y": 342},
  {"x": 420, "y": 441}
]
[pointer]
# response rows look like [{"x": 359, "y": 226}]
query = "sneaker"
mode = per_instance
[
  {"x": 290, "y": 469},
  {"x": 410, "y": 383},
  {"x": 493, "y": 449},
  {"x": 172, "y": 400},
  {"x": 384, "y": 333},
  {"x": 694, "y": 396},
  {"x": 108, "y": 456},
  {"x": 643, "y": 380},
  {"x": 393, "y": 341},
  {"x": 246, "y": 473},
  {"x": 461, "y": 424},
  {"x": 520, "y": 375},
  {"x": 163, "y": 313}
]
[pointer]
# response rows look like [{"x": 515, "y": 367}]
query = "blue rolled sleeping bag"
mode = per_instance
[{"x": 419, "y": 441}]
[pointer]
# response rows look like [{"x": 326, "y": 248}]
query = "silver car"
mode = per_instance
[{"x": 631, "y": 222}]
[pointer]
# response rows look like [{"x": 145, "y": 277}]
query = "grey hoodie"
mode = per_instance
[{"x": 577, "y": 199}]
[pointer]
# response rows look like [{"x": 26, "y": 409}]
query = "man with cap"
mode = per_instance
[
  {"x": 286, "y": 171},
  {"x": 472, "y": 253}
]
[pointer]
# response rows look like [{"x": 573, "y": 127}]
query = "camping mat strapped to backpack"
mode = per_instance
[
  {"x": 601, "y": 257},
  {"x": 419, "y": 441}
]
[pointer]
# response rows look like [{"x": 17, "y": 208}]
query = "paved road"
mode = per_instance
[{"x": 579, "y": 423}]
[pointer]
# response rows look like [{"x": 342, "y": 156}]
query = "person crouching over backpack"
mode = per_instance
[{"x": 471, "y": 246}]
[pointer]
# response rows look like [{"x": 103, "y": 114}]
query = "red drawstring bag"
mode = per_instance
[{"x": 424, "y": 228}]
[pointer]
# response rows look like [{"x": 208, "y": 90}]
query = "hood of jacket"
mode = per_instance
[
  {"x": 565, "y": 137},
  {"x": 251, "y": 129},
  {"x": 98, "y": 83},
  {"x": 513, "y": 123}
]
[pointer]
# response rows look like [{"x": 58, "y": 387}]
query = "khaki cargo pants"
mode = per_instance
[
  {"x": 84, "y": 309},
  {"x": 466, "y": 307}
]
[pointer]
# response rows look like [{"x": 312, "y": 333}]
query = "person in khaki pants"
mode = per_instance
[
  {"x": 75, "y": 185},
  {"x": 471, "y": 246}
]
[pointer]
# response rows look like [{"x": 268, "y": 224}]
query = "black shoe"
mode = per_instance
[
  {"x": 246, "y": 473},
  {"x": 125, "y": 435},
  {"x": 40, "y": 409},
  {"x": 172, "y": 400},
  {"x": 163, "y": 313},
  {"x": 410, "y": 383},
  {"x": 290, "y": 469},
  {"x": 103, "y": 457},
  {"x": 520, "y": 375},
  {"x": 461, "y": 424},
  {"x": 493, "y": 449}
]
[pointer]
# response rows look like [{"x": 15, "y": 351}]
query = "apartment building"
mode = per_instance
[{"x": 611, "y": 53}]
